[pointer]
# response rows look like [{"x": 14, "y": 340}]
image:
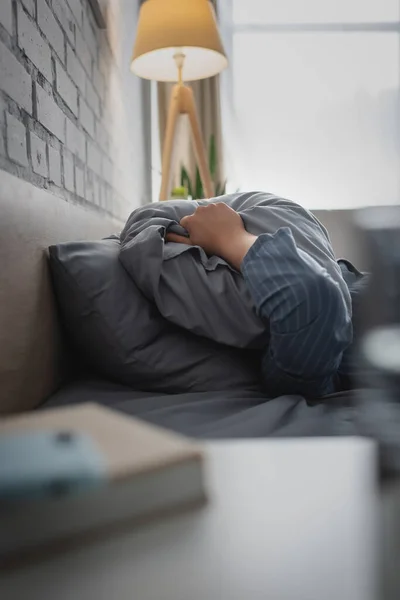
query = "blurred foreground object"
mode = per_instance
[
  {"x": 379, "y": 414},
  {"x": 288, "y": 519},
  {"x": 378, "y": 409},
  {"x": 146, "y": 472}
]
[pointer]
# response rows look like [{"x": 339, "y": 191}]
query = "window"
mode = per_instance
[{"x": 311, "y": 100}]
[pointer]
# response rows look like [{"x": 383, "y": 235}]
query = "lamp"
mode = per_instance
[{"x": 178, "y": 40}]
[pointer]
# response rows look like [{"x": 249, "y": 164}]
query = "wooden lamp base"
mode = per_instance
[{"x": 183, "y": 103}]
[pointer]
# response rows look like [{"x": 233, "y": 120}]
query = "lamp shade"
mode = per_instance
[{"x": 166, "y": 27}]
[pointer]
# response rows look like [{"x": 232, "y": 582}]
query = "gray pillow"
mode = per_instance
[
  {"x": 122, "y": 335},
  {"x": 201, "y": 293}
]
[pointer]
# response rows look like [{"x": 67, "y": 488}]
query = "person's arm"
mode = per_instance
[
  {"x": 309, "y": 322},
  {"x": 310, "y": 325}
]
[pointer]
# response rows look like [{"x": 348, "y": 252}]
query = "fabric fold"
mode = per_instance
[{"x": 203, "y": 294}]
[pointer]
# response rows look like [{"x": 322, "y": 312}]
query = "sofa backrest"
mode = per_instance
[{"x": 31, "y": 351}]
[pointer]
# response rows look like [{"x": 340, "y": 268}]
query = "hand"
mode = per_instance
[{"x": 219, "y": 230}]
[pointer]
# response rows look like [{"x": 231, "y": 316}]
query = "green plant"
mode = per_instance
[
  {"x": 180, "y": 192},
  {"x": 195, "y": 188}
]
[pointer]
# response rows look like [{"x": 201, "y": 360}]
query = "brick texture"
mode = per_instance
[
  {"x": 76, "y": 7},
  {"x": 102, "y": 136},
  {"x": 16, "y": 141},
  {"x": 38, "y": 155},
  {"x": 92, "y": 98},
  {"x": 55, "y": 166},
  {"x": 89, "y": 35},
  {"x": 66, "y": 88},
  {"x": 33, "y": 44},
  {"x": 49, "y": 114},
  {"x": 80, "y": 181},
  {"x": 98, "y": 81},
  {"x": 93, "y": 188},
  {"x": 70, "y": 110},
  {"x": 100, "y": 197},
  {"x": 108, "y": 170},
  {"x": 69, "y": 174},
  {"x": 87, "y": 117},
  {"x": 75, "y": 70},
  {"x": 66, "y": 19},
  {"x": 6, "y": 18},
  {"x": 94, "y": 158},
  {"x": 76, "y": 140},
  {"x": 82, "y": 51},
  {"x": 3, "y": 109},
  {"x": 14, "y": 80},
  {"x": 30, "y": 7},
  {"x": 89, "y": 186},
  {"x": 51, "y": 29}
]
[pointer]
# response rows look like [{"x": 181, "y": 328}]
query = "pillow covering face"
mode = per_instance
[{"x": 203, "y": 294}]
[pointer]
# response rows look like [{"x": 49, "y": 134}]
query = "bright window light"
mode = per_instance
[
  {"x": 315, "y": 11},
  {"x": 314, "y": 115}
]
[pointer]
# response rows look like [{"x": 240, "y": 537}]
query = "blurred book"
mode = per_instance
[{"x": 70, "y": 471}]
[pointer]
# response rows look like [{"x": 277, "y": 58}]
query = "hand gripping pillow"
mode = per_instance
[{"x": 204, "y": 294}]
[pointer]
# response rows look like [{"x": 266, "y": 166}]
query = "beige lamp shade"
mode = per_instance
[{"x": 166, "y": 27}]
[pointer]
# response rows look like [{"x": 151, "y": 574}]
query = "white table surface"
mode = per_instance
[{"x": 287, "y": 520}]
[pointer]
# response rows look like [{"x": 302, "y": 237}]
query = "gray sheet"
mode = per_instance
[
  {"x": 217, "y": 415},
  {"x": 204, "y": 294}
]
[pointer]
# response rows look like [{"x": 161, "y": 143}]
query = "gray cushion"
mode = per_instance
[{"x": 122, "y": 335}]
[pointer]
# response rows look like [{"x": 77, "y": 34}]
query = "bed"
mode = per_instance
[{"x": 37, "y": 368}]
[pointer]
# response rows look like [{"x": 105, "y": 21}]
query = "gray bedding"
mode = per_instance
[
  {"x": 202, "y": 294},
  {"x": 136, "y": 324},
  {"x": 217, "y": 415}
]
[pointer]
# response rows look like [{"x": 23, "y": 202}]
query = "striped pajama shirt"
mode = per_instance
[{"x": 309, "y": 321}]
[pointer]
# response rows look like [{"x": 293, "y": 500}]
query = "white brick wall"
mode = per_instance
[
  {"x": 98, "y": 81},
  {"x": 66, "y": 88},
  {"x": 92, "y": 98},
  {"x": 75, "y": 140},
  {"x": 75, "y": 70},
  {"x": 55, "y": 166},
  {"x": 38, "y": 155},
  {"x": 82, "y": 51},
  {"x": 89, "y": 187},
  {"x": 94, "y": 158},
  {"x": 90, "y": 37},
  {"x": 76, "y": 7},
  {"x": 51, "y": 29},
  {"x": 3, "y": 110},
  {"x": 71, "y": 113},
  {"x": 30, "y": 7},
  {"x": 14, "y": 80},
  {"x": 33, "y": 43},
  {"x": 16, "y": 141},
  {"x": 80, "y": 181},
  {"x": 69, "y": 175},
  {"x": 6, "y": 15},
  {"x": 49, "y": 114},
  {"x": 65, "y": 18},
  {"x": 102, "y": 137},
  {"x": 86, "y": 117},
  {"x": 108, "y": 170}
]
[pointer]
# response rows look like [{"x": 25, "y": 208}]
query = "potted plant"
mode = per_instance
[{"x": 194, "y": 188}]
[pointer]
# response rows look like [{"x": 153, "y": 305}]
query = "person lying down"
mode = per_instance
[{"x": 309, "y": 350}]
